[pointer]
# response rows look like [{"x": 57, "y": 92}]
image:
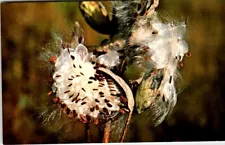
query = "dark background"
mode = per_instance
[{"x": 26, "y": 36}]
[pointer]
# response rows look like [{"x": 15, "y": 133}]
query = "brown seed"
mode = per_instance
[
  {"x": 110, "y": 83},
  {"x": 96, "y": 107},
  {"x": 49, "y": 93},
  {"x": 154, "y": 32},
  {"x": 100, "y": 85},
  {"x": 81, "y": 73},
  {"x": 83, "y": 103},
  {"x": 62, "y": 105},
  {"x": 179, "y": 57},
  {"x": 170, "y": 79},
  {"x": 71, "y": 96},
  {"x": 55, "y": 100},
  {"x": 188, "y": 54},
  {"x": 71, "y": 114},
  {"x": 96, "y": 67},
  {"x": 83, "y": 119},
  {"x": 72, "y": 57},
  {"x": 80, "y": 39},
  {"x": 123, "y": 99},
  {"x": 145, "y": 48},
  {"x": 92, "y": 109},
  {"x": 68, "y": 48},
  {"x": 112, "y": 90},
  {"x": 180, "y": 64},
  {"x": 96, "y": 100},
  {"x": 67, "y": 111},
  {"x": 58, "y": 76},
  {"x": 158, "y": 94},
  {"x": 83, "y": 89},
  {"x": 67, "y": 91},
  {"x": 163, "y": 98},
  {"x": 111, "y": 87},
  {"x": 77, "y": 100},
  {"x": 96, "y": 121},
  {"x": 92, "y": 78},
  {"x": 74, "y": 99},
  {"x": 106, "y": 101},
  {"x": 105, "y": 110},
  {"x": 109, "y": 104},
  {"x": 114, "y": 95},
  {"x": 122, "y": 111},
  {"x": 84, "y": 98},
  {"x": 52, "y": 59}
]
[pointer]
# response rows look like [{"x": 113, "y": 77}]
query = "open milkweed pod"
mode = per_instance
[
  {"x": 157, "y": 42},
  {"x": 87, "y": 91},
  {"x": 158, "y": 48}
]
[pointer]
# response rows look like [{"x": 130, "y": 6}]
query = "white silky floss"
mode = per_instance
[
  {"x": 166, "y": 49},
  {"x": 164, "y": 40},
  {"x": 110, "y": 59}
]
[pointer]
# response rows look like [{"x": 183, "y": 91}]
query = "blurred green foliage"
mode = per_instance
[{"x": 28, "y": 27}]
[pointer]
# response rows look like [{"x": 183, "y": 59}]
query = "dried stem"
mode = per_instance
[
  {"x": 126, "y": 127},
  {"x": 87, "y": 132},
  {"x": 107, "y": 132}
]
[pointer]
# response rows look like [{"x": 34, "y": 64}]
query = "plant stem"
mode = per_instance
[
  {"x": 106, "y": 132},
  {"x": 126, "y": 127},
  {"x": 87, "y": 132}
]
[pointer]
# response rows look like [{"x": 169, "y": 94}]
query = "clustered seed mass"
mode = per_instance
[{"x": 83, "y": 90}]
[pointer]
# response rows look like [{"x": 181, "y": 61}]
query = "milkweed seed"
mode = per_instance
[
  {"x": 71, "y": 96},
  {"x": 83, "y": 103},
  {"x": 109, "y": 105},
  {"x": 96, "y": 100},
  {"x": 67, "y": 91},
  {"x": 72, "y": 57}
]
